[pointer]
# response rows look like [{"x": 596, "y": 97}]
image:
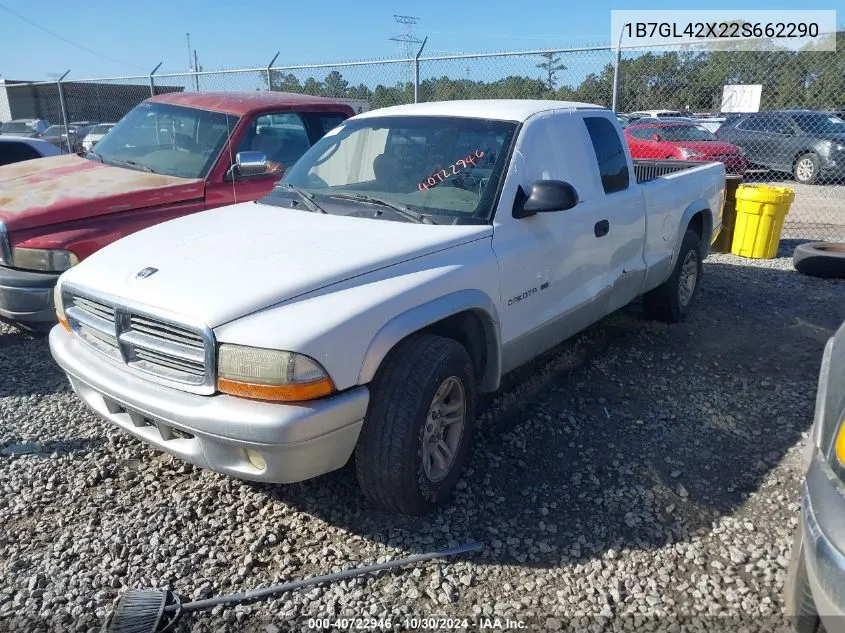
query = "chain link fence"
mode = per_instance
[{"x": 777, "y": 144}]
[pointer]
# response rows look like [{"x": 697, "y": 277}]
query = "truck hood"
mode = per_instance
[
  {"x": 55, "y": 189},
  {"x": 224, "y": 264}
]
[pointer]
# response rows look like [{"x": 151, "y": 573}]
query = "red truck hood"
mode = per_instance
[
  {"x": 56, "y": 189},
  {"x": 708, "y": 148}
]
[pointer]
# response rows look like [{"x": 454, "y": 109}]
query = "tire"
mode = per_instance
[
  {"x": 672, "y": 300},
  {"x": 798, "y": 598},
  {"x": 394, "y": 470},
  {"x": 806, "y": 168},
  {"x": 820, "y": 259}
]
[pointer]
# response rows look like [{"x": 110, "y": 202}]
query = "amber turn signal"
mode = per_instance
[
  {"x": 279, "y": 393},
  {"x": 840, "y": 443}
]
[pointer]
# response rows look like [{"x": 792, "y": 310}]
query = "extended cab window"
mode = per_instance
[
  {"x": 611, "y": 157},
  {"x": 329, "y": 121}
]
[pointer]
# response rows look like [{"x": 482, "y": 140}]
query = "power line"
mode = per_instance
[{"x": 64, "y": 39}]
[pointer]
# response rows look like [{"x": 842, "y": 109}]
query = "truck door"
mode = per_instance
[
  {"x": 282, "y": 137},
  {"x": 553, "y": 266},
  {"x": 623, "y": 208}
]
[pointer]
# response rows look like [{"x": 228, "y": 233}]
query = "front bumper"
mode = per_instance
[
  {"x": 27, "y": 297},
  {"x": 823, "y": 527},
  {"x": 296, "y": 441}
]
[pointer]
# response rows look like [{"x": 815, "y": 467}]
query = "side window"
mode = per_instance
[
  {"x": 642, "y": 133},
  {"x": 16, "y": 152},
  {"x": 613, "y": 163},
  {"x": 281, "y": 137},
  {"x": 779, "y": 125},
  {"x": 750, "y": 123},
  {"x": 329, "y": 121}
]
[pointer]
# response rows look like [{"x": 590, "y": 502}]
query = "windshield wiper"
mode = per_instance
[
  {"x": 132, "y": 164},
  {"x": 307, "y": 197},
  {"x": 399, "y": 209}
]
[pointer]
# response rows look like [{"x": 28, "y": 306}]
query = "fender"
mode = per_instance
[
  {"x": 698, "y": 206},
  {"x": 417, "y": 318}
]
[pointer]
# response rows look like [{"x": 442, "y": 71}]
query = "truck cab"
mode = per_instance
[{"x": 172, "y": 155}]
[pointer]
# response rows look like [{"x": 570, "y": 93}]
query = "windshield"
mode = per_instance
[
  {"x": 167, "y": 139},
  {"x": 435, "y": 165},
  {"x": 100, "y": 129},
  {"x": 685, "y": 133},
  {"x": 820, "y": 123},
  {"x": 54, "y": 130},
  {"x": 17, "y": 126}
]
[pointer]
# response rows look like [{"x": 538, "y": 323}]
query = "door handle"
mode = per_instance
[{"x": 602, "y": 228}]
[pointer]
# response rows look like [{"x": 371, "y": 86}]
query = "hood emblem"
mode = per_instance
[{"x": 146, "y": 272}]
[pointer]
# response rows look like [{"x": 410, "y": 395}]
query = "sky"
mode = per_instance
[{"x": 97, "y": 38}]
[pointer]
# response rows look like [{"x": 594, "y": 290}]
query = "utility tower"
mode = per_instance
[{"x": 407, "y": 40}]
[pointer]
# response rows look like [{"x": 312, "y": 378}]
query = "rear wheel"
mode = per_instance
[
  {"x": 672, "y": 300},
  {"x": 418, "y": 428}
]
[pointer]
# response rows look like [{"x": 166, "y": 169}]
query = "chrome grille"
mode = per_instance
[{"x": 168, "y": 350}]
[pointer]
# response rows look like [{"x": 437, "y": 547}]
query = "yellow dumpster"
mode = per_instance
[{"x": 760, "y": 212}]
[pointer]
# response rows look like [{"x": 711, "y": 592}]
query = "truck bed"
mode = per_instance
[{"x": 647, "y": 169}]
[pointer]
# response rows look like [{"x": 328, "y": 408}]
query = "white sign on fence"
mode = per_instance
[{"x": 741, "y": 98}]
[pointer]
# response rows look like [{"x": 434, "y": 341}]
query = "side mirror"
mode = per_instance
[
  {"x": 656, "y": 137},
  {"x": 545, "y": 196},
  {"x": 248, "y": 164}
]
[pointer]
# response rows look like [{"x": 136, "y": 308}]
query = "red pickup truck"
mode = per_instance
[{"x": 171, "y": 155}]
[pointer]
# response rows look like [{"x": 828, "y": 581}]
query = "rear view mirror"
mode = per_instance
[
  {"x": 545, "y": 196},
  {"x": 656, "y": 137},
  {"x": 249, "y": 164}
]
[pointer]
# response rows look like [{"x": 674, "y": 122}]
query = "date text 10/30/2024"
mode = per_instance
[
  {"x": 415, "y": 623},
  {"x": 452, "y": 170}
]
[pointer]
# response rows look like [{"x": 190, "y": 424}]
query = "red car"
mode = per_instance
[
  {"x": 171, "y": 155},
  {"x": 683, "y": 141}
]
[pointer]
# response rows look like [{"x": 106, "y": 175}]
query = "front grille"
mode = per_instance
[{"x": 145, "y": 342}]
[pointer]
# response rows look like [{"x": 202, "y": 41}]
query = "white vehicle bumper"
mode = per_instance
[{"x": 295, "y": 441}]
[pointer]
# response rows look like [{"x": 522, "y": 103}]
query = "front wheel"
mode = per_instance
[
  {"x": 806, "y": 169},
  {"x": 672, "y": 300},
  {"x": 418, "y": 428}
]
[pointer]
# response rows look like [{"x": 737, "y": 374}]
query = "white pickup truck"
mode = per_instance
[{"x": 407, "y": 261}]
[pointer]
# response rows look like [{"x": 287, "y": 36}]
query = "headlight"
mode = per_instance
[
  {"x": 269, "y": 374},
  {"x": 43, "y": 259},
  {"x": 688, "y": 153}
]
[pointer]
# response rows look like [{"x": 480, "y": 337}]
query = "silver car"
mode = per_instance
[
  {"x": 96, "y": 135},
  {"x": 815, "y": 587}
]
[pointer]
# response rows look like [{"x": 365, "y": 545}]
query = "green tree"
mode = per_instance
[
  {"x": 551, "y": 67},
  {"x": 335, "y": 85}
]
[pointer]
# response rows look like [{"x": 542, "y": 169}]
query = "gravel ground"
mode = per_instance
[{"x": 638, "y": 471}]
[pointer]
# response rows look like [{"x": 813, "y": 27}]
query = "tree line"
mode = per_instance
[{"x": 672, "y": 80}]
